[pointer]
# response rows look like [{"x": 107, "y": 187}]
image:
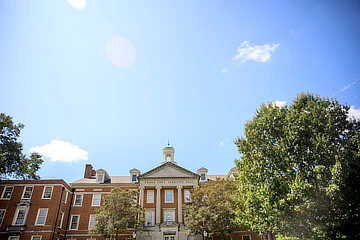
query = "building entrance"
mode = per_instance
[{"x": 169, "y": 237}]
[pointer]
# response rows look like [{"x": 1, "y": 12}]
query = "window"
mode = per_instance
[
  {"x": 150, "y": 218},
  {"x": 2, "y": 215},
  {"x": 169, "y": 216},
  {"x": 150, "y": 196},
  {"x": 14, "y": 238},
  {"x": 247, "y": 237},
  {"x": 92, "y": 221},
  {"x": 78, "y": 200},
  {"x": 100, "y": 178},
  {"x": 47, "y": 192},
  {"x": 37, "y": 237},
  {"x": 187, "y": 195},
  {"x": 41, "y": 217},
  {"x": 65, "y": 194},
  {"x": 133, "y": 177},
  {"x": 20, "y": 216},
  {"x": 96, "y": 200},
  {"x": 74, "y": 222},
  {"x": 7, "y": 193},
  {"x": 168, "y": 196},
  {"x": 27, "y": 192},
  {"x": 60, "y": 220},
  {"x": 265, "y": 237},
  {"x": 203, "y": 177}
]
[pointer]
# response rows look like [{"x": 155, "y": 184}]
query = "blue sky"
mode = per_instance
[{"x": 110, "y": 82}]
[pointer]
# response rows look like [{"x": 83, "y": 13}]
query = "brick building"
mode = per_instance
[{"x": 51, "y": 209}]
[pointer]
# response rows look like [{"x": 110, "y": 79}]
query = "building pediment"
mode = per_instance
[{"x": 168, "y": 170}]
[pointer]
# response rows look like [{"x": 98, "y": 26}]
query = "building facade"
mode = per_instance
[{"x": 51, "y": 209}]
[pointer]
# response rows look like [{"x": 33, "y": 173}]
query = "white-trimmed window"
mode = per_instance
[
  {"x": 78, "y": 199},
  {"x": 60, "y": 220},
  {"x": 7, "y": 193},
  {"x": 100, "y": 178},
  {"x": 133, "y": 177},
  {"x": 149, "y": 218},
  {"x": 169, "y": 196},
  {"x": 20, "y": 216},
  {"x": 65, "y": 195},
  {"x": 246, "y": 237},
  {"x": 74, "y": 222},
  {"x": 150, "y": 196},
  {"x": 92, "y": 221},
  {"x": 41, "y": 216},
  {"x": 96, "y": 199},
  {"x": 169, "y": 215},
  {"x": 27, "y": 192},
  {"x": 14, "y": 238},
  {"x": 2, "y": 215},
  {"x": 36, "y": 237},
  {"x": 187, "y": 195},
  {"x": 47, "y": 192},
  {"x": 202, "y": 177}
]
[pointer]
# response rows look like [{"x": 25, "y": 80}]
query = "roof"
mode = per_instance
[
  {"x": 114, "y": 179},
  {"x": 168, "y": 164}
]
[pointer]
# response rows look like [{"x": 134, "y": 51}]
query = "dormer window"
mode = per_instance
[
  {"x": 203, "y": 177},
  {"x": 133, "y": 178},
  {"x": 203, "y": 174},
  {"x": 100, "y": 178}
]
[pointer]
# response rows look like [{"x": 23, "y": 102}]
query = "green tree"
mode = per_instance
[
  {"x": 299, "y": 170},
  {"x": 13, "y": 163},
  {"x": 119, "y": 212},
  {"x": 212, "y": 209}
]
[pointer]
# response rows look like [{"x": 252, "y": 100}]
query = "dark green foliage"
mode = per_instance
[
  {"x": 13, "y": 163},
  {"x": 299, "y": 170}
]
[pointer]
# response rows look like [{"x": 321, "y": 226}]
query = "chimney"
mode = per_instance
[{"x": 88, "y": 171}]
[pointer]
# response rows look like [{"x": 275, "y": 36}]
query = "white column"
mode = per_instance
[
  {"x": 180, "y": 217},
  {"x": 141, "y": 196},
  {"x": 158, "y": 205}
]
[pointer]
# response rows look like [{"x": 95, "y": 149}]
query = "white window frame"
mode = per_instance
[
  {"x": 2, "y": 219},
  {"x": 23, "y": 195},
  {"x": 187, "y": 193},
  {"x": 172, "y": 211},
  {"x": 132, "y": 176},
  {"x": 65, "y": 197},
  {"x": 52, "y": 188},
  {"x": 3, "y": 193},
  {"x": 18, "y": 209},
  {"x": 242, "y": 237},
  {"x": 91, "y": 215},
  {"x": 61, "y": 218},
  {"x": 33, "y": 237},
  {"x": 201, "y": 177},
  {"x": 38, "y": 214},
  {"x": 93, "y": 198},
  {"x": 172, "y": 195},
  {"x": 14, "y": 238},
  {"x": 78, "y": 205},
  {"x": 148, "y": 200},
  {"x": 77, "y": 223},
  {"x": 152, "y": 212},
  {"x": 98, "y": 180}
]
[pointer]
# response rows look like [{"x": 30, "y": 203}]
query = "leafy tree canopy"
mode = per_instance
[
  {"x": 212, "y": 209},
  {"x": 13, "y": 163},
  {"x": 299, "y": 170},
  {"x": 119, "y": 212}
]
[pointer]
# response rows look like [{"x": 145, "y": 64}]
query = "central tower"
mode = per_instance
[{"x": 168, "y": 152}]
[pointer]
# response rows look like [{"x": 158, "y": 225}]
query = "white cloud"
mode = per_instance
[
  {"x": 354, "y": 113},
  {"x": 223, "y": 142},
  {"x": 120, "y": 52},
  {"x": 257, "y": 53},
  {"x": 79, "y": 4},
  {"x": 292, "y": 33},
  {"x": 348, "y": 86},
  {"x": 225, "y": 70},
  {"x": 280, "y": 103},
  {"x": 61, "y": 151}
]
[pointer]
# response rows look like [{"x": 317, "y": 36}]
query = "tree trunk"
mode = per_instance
[
  {"x": 271, "y": 235},
  {"x": 116, "y": 235}
]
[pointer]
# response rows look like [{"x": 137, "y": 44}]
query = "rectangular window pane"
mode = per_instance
[
  {"x": 168, "y": 196},
  {"x": 14, "y": 238},
  {"x": 92, "y": 221},
  {"x": 59, "y": 223},
  {"x": 203, "y": 177},
  {"x": 20, "y": 219},
  {"x": 64, "y": 196},
  {"x": 133, "y": 178},
  {"x": 2, "y": 214},
  {"x": 47, "y": 192},
  {"x": 96, "y": 199},
  {"x": 7, "y": 192},
  {"x": 36, "y": 238},
  {"x": 245, "y": 237},
  {"x": 27, "y": 192},
  {"x": 100, "y": 178},
  {"x": 78, "y": 200},
  {"x": 150, "y": 196},
  {"x": 187, "y": 195},
  {"x": 74, "y": 222},
  {"x": 149, "y": 219},
  {"x": 41, "y": 216}
]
